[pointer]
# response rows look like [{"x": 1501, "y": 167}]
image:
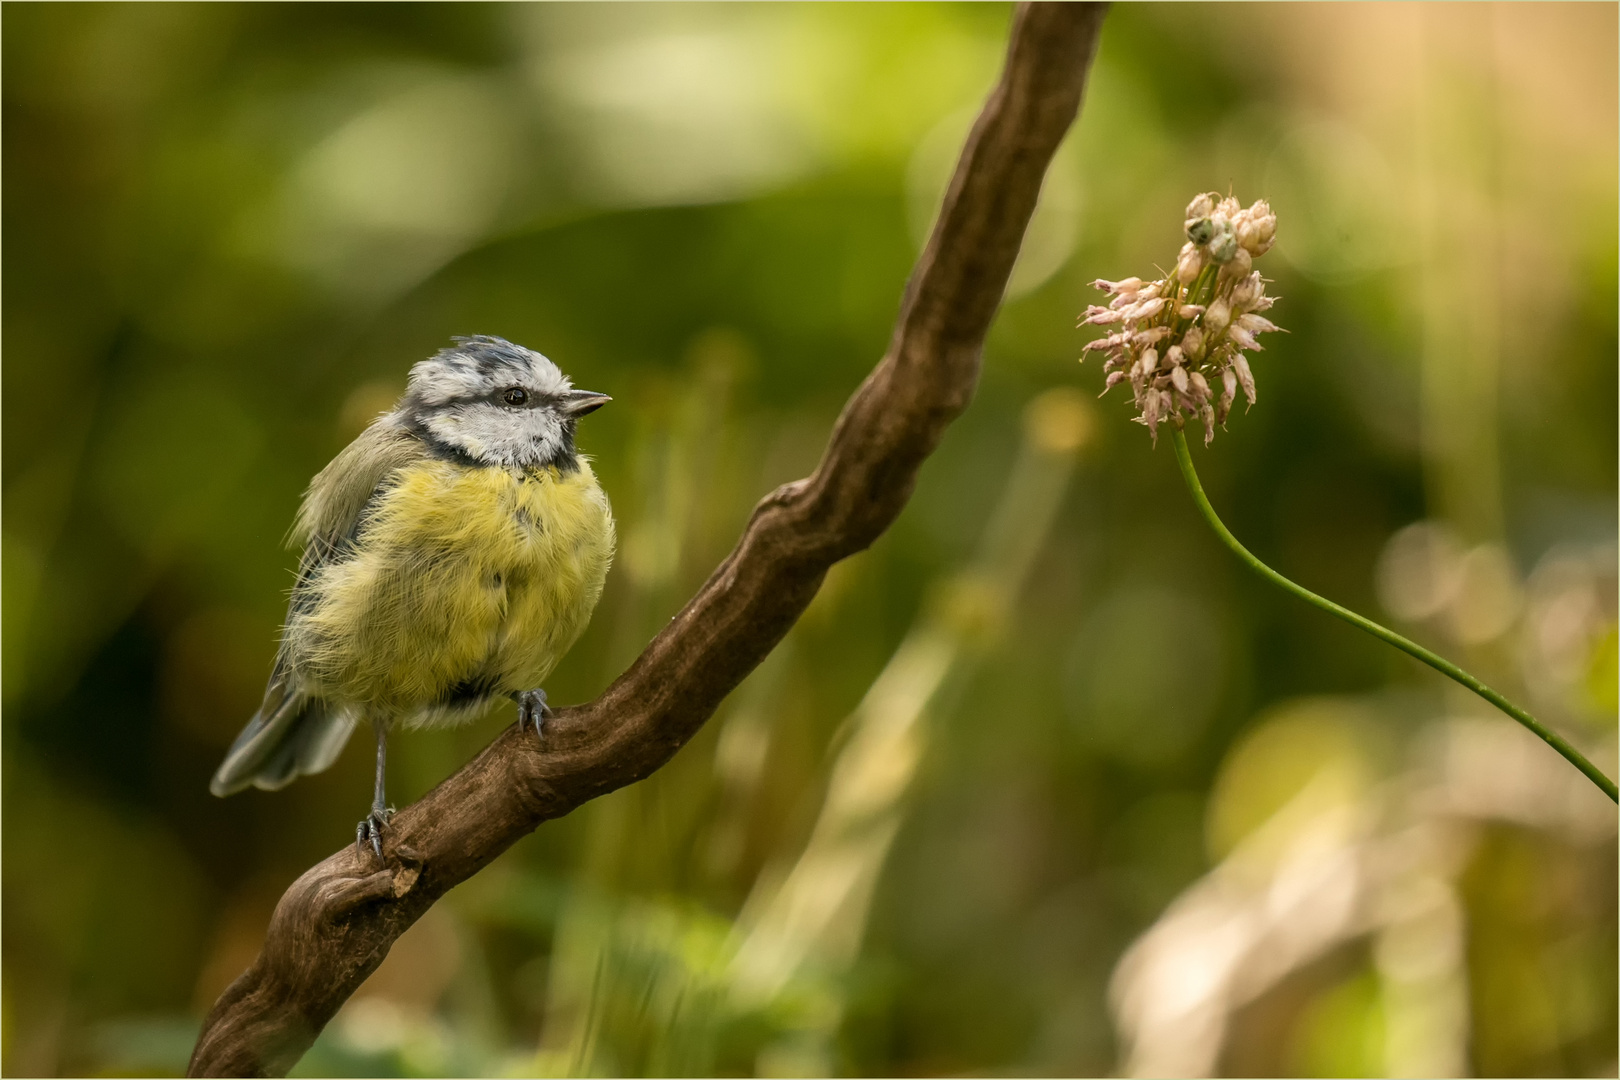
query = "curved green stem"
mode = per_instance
[{"x": 1446, "y": 667}]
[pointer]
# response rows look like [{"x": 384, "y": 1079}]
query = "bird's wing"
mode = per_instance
[
  {"x": 294, "y": 733},
  {"x": 338, "y": 495}
]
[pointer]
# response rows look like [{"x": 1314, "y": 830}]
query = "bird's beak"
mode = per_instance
[{"x": 577, "y": 403}]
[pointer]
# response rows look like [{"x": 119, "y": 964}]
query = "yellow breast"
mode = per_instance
[{"x": 464, "y": 583}]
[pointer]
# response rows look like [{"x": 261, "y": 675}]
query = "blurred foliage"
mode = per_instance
[{"x": 229, "y": 230}]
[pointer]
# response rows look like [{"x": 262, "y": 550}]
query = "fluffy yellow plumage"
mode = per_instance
[{"x": 465, "y": 583}]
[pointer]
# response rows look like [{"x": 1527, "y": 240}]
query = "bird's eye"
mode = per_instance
[{"x": 516, "y": 396}]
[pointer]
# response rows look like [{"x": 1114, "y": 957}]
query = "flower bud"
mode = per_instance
[
  {"x": 1207, "y": 415},
  {"x": 1127, "y": 285},
  {"x": 1246, "y": 292},
  {"x": 1113, "y": 380},
  {"x": 1242, "y": 338},
  {"x": 1223, "y": 246},
  {"x": 1192, "y": 343},
  {"x": 1200, "y": 385},
  {"x": 1190, "y": 264},
  {"x": 1146, "y": 309},
  {"x": 1257, "y": 324},
  {"x": 1202, "y": 206},
  {"x": 1217, "y": 316},
  {"x": 1174, "y": 356},
  {"x": 1178, "y": 378},
  {"x": 1245, "y": 376},
  {"x": 1258, "y": 229},
  {"x": 1240, "y": 265},
  {"x": 1228, "y": 208},
  {"x": 1228, "y": 394}
]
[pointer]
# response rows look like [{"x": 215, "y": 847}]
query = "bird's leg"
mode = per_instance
[
  {"x": 532, "y": 709},
  {"x": 371, "y": 827}
]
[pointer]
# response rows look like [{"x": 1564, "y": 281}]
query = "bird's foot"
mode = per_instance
[
  {"x": 370, "y": 829},
  {"x": 532, "y": 709}
]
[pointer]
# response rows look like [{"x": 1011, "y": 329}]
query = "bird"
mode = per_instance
[{"x": 452, "y": 554}]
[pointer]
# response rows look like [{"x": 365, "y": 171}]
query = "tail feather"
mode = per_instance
[{"x": 291, "y": 735}]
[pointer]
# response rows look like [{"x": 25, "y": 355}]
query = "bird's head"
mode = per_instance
[{"x": 496, "y": 403}]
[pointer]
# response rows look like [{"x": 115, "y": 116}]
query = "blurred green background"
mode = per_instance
[{"x": 1044, "y": 782}]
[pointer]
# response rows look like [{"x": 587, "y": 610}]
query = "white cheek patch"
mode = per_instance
[
  {"x": 499, "y": 436},
  {"x": 452, "y": 427}
]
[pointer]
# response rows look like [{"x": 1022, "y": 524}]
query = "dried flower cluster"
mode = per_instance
[{"x": 1178, "y": 338}]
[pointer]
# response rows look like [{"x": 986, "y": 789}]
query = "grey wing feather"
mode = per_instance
[
  {"x": 294, "y": 733},
  {"x": 290, "y": 736}
]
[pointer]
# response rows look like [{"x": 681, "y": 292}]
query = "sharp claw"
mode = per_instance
[
  {"x": 533, "y": 710},
  {"x": 370, "y": 829}
]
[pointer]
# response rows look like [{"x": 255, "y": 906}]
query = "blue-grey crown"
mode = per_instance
[{"x": 488, "y": 354}]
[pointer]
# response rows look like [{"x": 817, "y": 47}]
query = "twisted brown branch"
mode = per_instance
[{"x": 335, "y": 924}]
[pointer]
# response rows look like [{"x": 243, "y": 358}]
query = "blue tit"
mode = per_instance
[{"x": 452, "y": 554}]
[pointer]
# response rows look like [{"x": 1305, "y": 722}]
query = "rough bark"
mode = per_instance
[{"x": 335, "y": 923}]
